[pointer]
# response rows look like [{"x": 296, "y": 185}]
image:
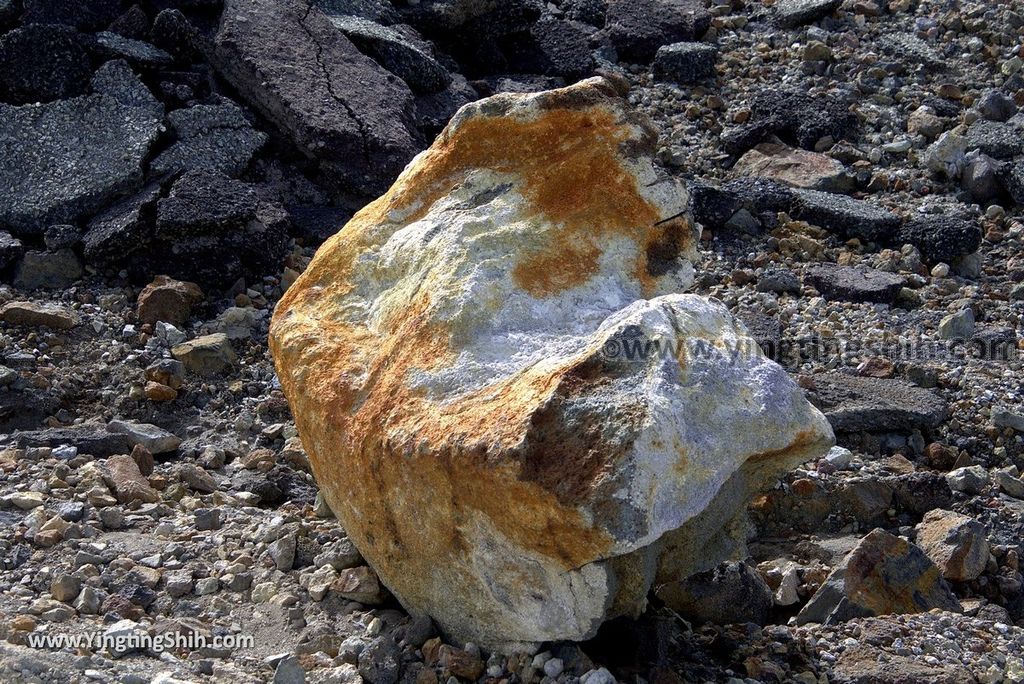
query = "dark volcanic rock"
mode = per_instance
[
  {"x": 68, "y": 158},
  {"x": 136, "y": 52},
  {"x": 637, "y": 28},
  {"x": 378, "y": 11},
  {"x": 93, "y": 440},
  {"x": 433, "y": 110},
  {"x": 731, "y": 593},
  {"x": 845, "y": 216},
  {"x": 399, "y": 50},
  {"x": 210, "y": 137},
  {"x": 212, "y": 230},
  {"x": 941, "y": 237},
  {"x": 801, "y": 119},
  {"x": 790, "y": 13},
  {"x": 685, "y": 62},
  {"x": 552, "y": 47},
  {"x": 317, "y": 223},
  {"x": 471, "y": 21},
  {"x": 11, "y": 249},
  {"x": 93, "y": 15},
  {"x": 854, "y": 284},
  {"x": 41, "y": 63},
  {"x": 590, "y": 12},
  {"x": 336, "y": 104},
  {"x": 858, "y": 404},
  {"x": 996, "y": 139},
  {"x": 123, "y": 228},
  {"x": 911, "y": 51},
  {"x": 1012, "y": 178},
  {"x": 714, "y": 206}
]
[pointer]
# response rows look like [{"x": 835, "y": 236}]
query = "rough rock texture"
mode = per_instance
[
  {"x": 732, "y": 592},
  {"x": 854, "y": 284},
  {"x": 941, "y": 238},
  {"x": 68, "y": 158},
  {"x": 637, "y": 28},
  {"x": 884, "y": 574},
  {"x": 211, "y": 138},
  {"x": 798, "y": 168},
  {"x": 955, "y": 543},
  {"x": 336, "y": 104},
  {"x": 846, "y": 216},
  {"x": 854, "y": 404},
  {"x": 470, "y": 365},
  {"x": 41, "y": 62},
  {"x": 401, "y": 52}
]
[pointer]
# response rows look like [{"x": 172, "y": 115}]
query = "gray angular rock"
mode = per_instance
[
  {"x": 731, "y": 593},
  {"x": 637, "y": 28},
  {"x": 337, "y": 105},
  {"x": 980, "y": 178},
  {"x": 970, "y": 479},
  {"x": 51, "y": 270},
  {"x": 399, "y": 50},
  {"x": 957, "y": 326},
  {"x": 215, "y": 138},
  {"x": 136, "y": 52},
  {"x": 156, "y": 439},
  {"x": 883, "y": 575},
  {"x": 941, "y": 237},
  {"x": 68, "y": 158},
  {"x": 996, "y": 106},
  {"x": 685, "y": 62},
  {"x": 1012, "y": 178},
  {"x": 854, "y": 283},
  {"x": 845, "y": 216},
  {"x": 41, "y": 63},
  {"x": 996, "y": 139},
  {"x": 860, "y": 404},
  {"x": 955, "y": 543},
  {"x": 123, "y": 228},
  {"x": 790, "y": 13}
]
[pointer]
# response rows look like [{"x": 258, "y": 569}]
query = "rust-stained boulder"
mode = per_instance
[{"x": 518, "y": 421}]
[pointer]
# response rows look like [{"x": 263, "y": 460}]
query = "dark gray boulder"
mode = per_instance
[
  {"x": 790, "y": 13},
  {"x": 337, "y": 105},
  {"x": 94, "y": 15},
  {"x": 42, "y": 63},
  {"x": 121, "y": 229},
  {"x": 211, "y": 137},
  {"x": 854, "y": 283},
  {"x": 996, "y": 139},
  {"x": 941, "y": 237},
  {"x": 67, "y": 159},
  {"x": 731, "y": 593},
  {"x": 637, "y": 28},
  {"x": 861, "y": 404},
  {"x": 399, "y": 49},
  {"x": 845, "y": 216},
  {"x": 552, "y": 47},
  {"x": 685, "y": 62}
]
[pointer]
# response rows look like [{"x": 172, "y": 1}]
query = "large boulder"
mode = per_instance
[
  {"x": 336, "y": 104},
  {"x": 518, "y": 422}
]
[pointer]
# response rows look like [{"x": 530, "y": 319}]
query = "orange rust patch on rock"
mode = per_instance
[{"x": 569, "y": 162}]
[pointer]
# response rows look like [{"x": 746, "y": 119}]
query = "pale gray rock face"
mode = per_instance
[{"x": 573, "y": 429}]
